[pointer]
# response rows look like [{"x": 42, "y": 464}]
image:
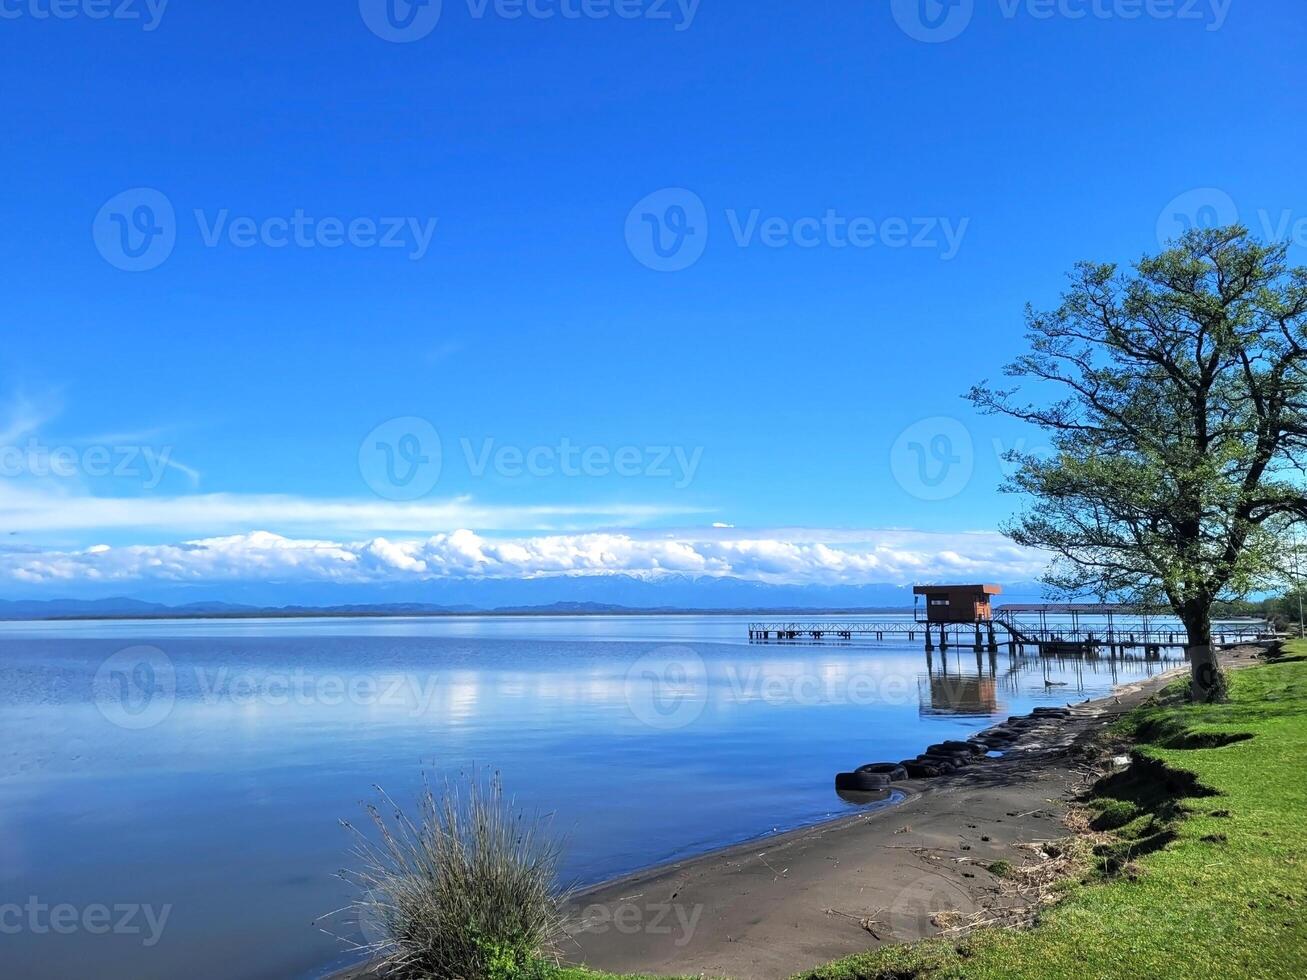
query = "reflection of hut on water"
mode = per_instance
[{"x": 944, "y": 694}]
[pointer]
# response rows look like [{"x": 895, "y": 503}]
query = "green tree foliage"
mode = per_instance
[{"x": 1175, "y": 399}]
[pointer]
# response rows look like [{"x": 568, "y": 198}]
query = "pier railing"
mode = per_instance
[{"x": 1014, "y": 633}]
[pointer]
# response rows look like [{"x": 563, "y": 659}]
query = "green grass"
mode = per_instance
[
  {"x": 1001, "y": 869},
  {"x": 1213, "y": 832},
  {"x": 581, "y": 973}
]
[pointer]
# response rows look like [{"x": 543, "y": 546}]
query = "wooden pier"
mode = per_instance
[{"x": 1087, "y": 635}]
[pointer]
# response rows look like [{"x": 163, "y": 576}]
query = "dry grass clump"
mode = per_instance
[
  {"x": 464, "y": 888},
  {"x": 1025, "y": 890}
]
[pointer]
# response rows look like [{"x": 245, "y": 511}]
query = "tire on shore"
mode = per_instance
[
  {"x": 916, "y": 769},
  {"x": 944, "y": 749},
  {"x": 954, "y": 745},
  {"x": 893, "y": 770},
  {"x": 861, "y": 781},
  {"x": 946, "y": 763}
]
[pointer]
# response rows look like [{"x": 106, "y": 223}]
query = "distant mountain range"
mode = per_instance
[{"x": 592, "y": 594}]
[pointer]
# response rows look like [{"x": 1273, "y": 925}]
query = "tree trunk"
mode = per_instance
[{"x": 1206, "y": 682}]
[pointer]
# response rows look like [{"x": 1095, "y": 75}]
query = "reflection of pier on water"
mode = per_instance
[{"x": 960, "y": 682}]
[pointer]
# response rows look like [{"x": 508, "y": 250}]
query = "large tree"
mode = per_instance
[{"x": 1175, "y": 398}]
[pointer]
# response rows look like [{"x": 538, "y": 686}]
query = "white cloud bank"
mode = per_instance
[{"x": 792, "y": 556}]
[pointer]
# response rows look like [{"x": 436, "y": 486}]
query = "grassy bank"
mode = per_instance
[{"x": 1206, "y": 874}]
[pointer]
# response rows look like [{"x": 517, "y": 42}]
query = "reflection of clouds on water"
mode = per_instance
[
  {"x": 262, "y": 700},
  {"x": 460, "y": 702},
  {"x": 241, "y": 766}
]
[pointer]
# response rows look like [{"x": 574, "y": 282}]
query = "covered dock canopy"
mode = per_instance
[{"x": 957, "y": 603}]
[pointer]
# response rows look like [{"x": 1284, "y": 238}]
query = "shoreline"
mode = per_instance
[{"x": 773, "y": 907}]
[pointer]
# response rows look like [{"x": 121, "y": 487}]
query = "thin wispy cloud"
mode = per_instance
[
  {"x": 28, "y": 446},
  {"x": 24, "y": 416},
  {"x": 38, "y": 510}
]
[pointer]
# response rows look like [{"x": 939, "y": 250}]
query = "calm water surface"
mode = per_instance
[{"x": 200, "y": 767}]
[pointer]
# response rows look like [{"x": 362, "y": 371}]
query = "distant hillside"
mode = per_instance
[{"x": 562, "y": 595}]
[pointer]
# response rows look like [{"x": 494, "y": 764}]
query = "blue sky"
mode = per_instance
[{"x": 873, "y": 196}]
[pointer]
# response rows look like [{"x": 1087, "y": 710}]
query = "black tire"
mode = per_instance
[
  {"x": 942, "y": 748},
  {"x": 954, "y": 745},
  {"x": 920, "y": 770},
  {"x": 861, "y": 782},
  {"x": 891, "y": 769},
  {"x": 945, "y": 762}
]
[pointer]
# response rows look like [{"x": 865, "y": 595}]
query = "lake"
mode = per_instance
[{"x": 170, "y": 791}]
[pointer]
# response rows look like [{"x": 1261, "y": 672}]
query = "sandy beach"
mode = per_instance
[{"x": 770, "y": 908}]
